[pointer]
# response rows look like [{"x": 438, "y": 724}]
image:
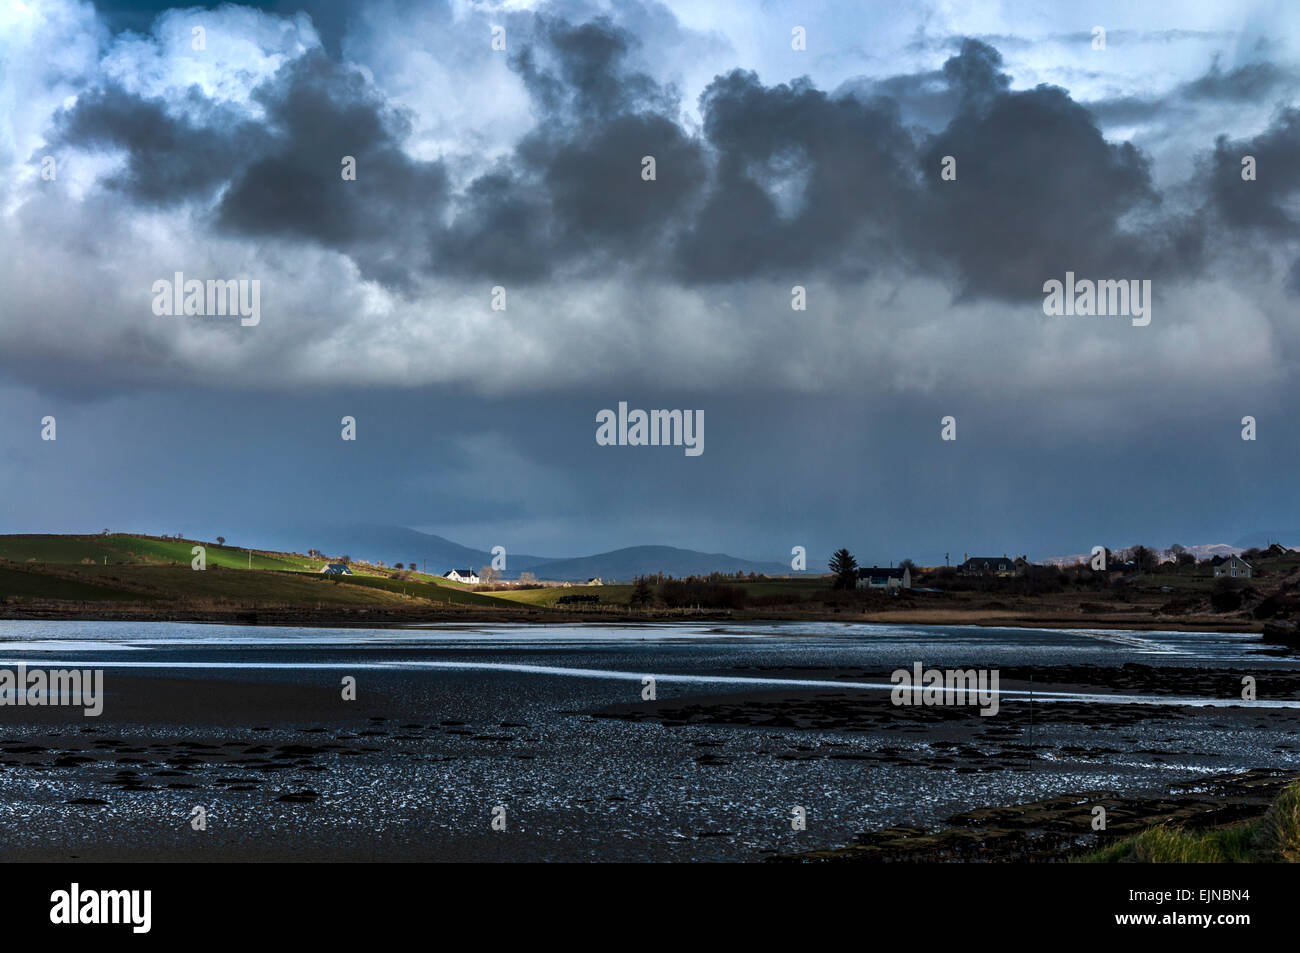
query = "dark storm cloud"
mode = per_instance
[
  {"x": 1267, "y": 202},
  {"x": 574, "y": 191},
  {"x": 782, "y": 180},
  {"x": 169, "y": 159},
  {"x": 318, "y": 113},
  {"x": 284, "y": 174},
  {"x": 848, "y": 167},
  {"x": 1039, "y": 191}
]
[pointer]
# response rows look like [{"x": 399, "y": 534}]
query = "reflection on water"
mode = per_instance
[{"x": 458, "y": 718}]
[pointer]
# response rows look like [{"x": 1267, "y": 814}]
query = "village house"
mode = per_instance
[
  {"x": 461, "y": 575},
  {"x": 873, "y": 577},
  {"x": 594, "y": 581},
  {"x": 1003, "y": 565},
  {"x": 1232, "y": 566},
  {"x": 336, "y": 569}
]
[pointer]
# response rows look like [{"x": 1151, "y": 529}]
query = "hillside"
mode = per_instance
[
  {"x": 437, "y": 554},
  {"x": 394, "y": 544},
  {"x": 125, "y": 568}
]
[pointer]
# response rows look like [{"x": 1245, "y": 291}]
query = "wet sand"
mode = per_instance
[
  {"x": 411, "y": 771},
  {"x": 451, "y": 723}
]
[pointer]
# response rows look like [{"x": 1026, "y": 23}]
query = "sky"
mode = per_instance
[{"x": 139, "y": 140}]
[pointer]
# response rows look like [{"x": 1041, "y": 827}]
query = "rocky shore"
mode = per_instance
[{"x": 1061, "y": 828}]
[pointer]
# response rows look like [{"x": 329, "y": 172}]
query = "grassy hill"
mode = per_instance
[
  {"x": 122, "y": 567},
  {"x": 119, "y": 549}
]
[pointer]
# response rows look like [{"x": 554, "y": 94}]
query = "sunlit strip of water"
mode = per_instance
[{"x": 1098, "y": 698}]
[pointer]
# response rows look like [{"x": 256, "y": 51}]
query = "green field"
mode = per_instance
[{"x": 122, "y": 549}]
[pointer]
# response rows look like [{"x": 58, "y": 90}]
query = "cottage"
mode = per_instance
[
  {"x": 594, "y": 581},
  {"x": 336, "y": 569},
  {"x": 1002, "y": 565},
  {"x": 873, "y": 577},
  {"x": 1232, "y": 566},
  {"x": 461, "y": 575}
]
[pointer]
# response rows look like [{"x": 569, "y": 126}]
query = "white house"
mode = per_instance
[
  {"x": 873, "y": 577},
  {"x": 1233, "y": 566},
  {"x": 461, "y": 575},
  {"x": 336, "y": 569}
]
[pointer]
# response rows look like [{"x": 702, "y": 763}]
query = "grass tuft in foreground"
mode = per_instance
[{"x": 1274, "y": 838}]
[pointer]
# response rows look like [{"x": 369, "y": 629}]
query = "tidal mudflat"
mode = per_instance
[{"x": 750, "y": 721}]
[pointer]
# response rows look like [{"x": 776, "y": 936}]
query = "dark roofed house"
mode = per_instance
[
  {"x": 1003, "y": 565},
  {"x": 336, "y": 569},
  {"x": 461, "y": 575},
  {"x": 874, "y": 577}
]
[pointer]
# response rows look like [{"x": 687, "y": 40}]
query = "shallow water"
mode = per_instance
[{"x": 579, "y": 787}]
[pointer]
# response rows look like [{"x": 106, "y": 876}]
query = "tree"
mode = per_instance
[
  {"x": 642, "y": 594},
  {"x": 221, "y": 540},
  {"x": 845, "y": 568},
  {"x": 487, "y": 574},
  {"x": 909, "y": 565},
  {"x": 1144, "y": 558},
  {"x": 397, "y": 565}
]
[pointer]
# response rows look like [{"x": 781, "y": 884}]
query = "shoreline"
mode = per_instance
[
  {"x": 378, "y": 617},
  {"x": 1059, "y": 829}
]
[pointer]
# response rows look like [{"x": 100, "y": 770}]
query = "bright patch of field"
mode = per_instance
[
  {"x": 434, "y": 592},
  {"x": 550, "y": 595}
]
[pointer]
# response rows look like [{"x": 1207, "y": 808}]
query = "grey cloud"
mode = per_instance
[
  {"x": 1039, "y": 190},
  {"x": 1266, "y": 202},
  {"x": 1249, "y": 83},
  {"x": 169, "y": 158},
  {"x": 781, "y": 179},
  {"x": 319, "y": 113}
]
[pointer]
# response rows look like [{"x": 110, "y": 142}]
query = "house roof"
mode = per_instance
[
  {"x": 461, "y": 572},
  {"x": 338, "y": 566},
  {"x": 875, "y": 572},
  {"x": 990, "y": 559},
  {"x": 1220, "y": 560}
]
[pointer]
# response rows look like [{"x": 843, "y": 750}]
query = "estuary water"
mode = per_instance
[{"x": 549, "y": 725}]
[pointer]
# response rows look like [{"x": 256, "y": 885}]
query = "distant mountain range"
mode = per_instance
[{"x": 394, "y": 544}]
